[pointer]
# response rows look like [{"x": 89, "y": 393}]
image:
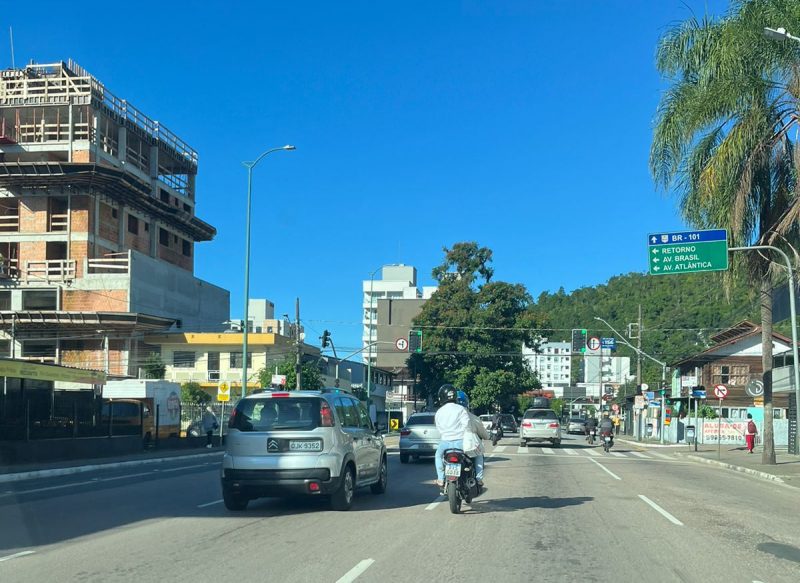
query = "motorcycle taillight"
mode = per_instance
[{"x": 453, "y": 458}]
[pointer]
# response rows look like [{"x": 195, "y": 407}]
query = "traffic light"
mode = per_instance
[
  {"x": 326, "y": 338},
  {"x": 665, "y": 390},
  {"x": 579, "y": 340},
  {"x": 415, "y": 340}
]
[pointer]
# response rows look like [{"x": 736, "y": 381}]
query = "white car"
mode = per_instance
[{"x": 540, "y": 425}]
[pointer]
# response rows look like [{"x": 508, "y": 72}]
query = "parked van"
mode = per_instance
[{"x": 136, "y": 403}]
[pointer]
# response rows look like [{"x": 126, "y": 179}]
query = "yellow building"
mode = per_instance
[{"x": 209, "y": 358}]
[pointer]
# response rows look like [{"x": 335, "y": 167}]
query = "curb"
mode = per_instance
[
  {"x": 751, "y": 472},
  {"x": 55, "y": 472}
]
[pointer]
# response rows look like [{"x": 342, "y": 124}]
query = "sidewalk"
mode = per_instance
[{"x": 736, "y": 458}]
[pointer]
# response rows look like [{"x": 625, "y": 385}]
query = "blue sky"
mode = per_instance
[{"x": 522, "y": 125}]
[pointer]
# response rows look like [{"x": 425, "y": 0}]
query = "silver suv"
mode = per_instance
[{"x": 320, "y": 443}]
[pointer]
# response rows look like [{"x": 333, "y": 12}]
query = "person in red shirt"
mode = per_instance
[{"x": 750, "y": 434}]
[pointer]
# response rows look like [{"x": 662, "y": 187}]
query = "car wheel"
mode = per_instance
[
  {"x": 193, "y": 432},
  {"x": 342, "y": 499},
  {"x": 403, "y": 458},
  {"x": 379, "y": 487},
  {"x": 556, "y": 443},
  {"x": 523, "y": 443},
  {"x": 233, "y": 501}
]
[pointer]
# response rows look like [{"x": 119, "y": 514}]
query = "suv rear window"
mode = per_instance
[
  {"x": 540, "y": 414},
  {"x": 420, "y": 420},
  {"x": 282, "y": 414}
]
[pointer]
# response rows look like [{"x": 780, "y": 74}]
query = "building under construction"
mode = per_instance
[{"x": 97, "y": 225}]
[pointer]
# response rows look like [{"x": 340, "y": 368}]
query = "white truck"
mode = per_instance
[{"x": 137, "y": 402}]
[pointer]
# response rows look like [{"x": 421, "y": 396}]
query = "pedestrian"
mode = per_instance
[
  {"x": 615, "y": 420},
  {"x": 209, "y": 425},
  {"x": 750, "y": 435}
]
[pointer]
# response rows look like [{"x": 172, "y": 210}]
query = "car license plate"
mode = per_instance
[
  {"x": 453, "y": 470},
  {"x": 315, "y": 445}
]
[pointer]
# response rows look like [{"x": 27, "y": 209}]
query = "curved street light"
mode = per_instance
[{"x": 246, "y": 321}]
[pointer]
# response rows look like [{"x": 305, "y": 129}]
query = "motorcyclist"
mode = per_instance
[
  {"x": 452, "y": 420},
  {"x": 591, "y": 425},
  {"x": 607, "y": 427},
  {"x": 497, "y": 424}
]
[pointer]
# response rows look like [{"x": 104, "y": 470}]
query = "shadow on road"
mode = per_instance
[{"x": 524, "y": 503}]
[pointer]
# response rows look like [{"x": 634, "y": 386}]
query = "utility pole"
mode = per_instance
[
  {"x": 639, "y": 349},
  {"x": 297, "y": 365}
]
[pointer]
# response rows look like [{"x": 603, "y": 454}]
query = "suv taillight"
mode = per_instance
[
  {"x": 232, "y": 419},
  {"x": 553, "y": 425},
  {"x": 526, "y": 423},
  {"x": 405, "y": 432},
  {"x": 325, "y": 415}
]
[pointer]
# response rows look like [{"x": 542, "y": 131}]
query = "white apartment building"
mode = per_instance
[
  {"x": 604, "y": 373},
  {"x": 397, "y": 281},
  {"x": 552, "y": 363}
]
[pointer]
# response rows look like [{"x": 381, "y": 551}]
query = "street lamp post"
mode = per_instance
[
  {"x": 643, "y": 353},
  {"x": 246, "y": 322}
]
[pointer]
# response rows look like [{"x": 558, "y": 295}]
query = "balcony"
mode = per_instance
[
  {"x": 117, "y": 263},
  {"x": 57, "y": 222},
  {"x": 9, "y": 223},
  {"x": 49, "y": 271}
]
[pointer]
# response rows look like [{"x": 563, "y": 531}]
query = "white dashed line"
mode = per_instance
[
  {"x": 435, "y": 503},
  {"x": 356, "y": 571},
  {"x": 660, "y": 455},
  {"x": 16, "y": 555},
  {"x": 641, "y": 455},
  {"x": 605, "y": 469},
  {"x": 661, "y": 511},
  {"x": 181, "y": 468},
  {"x": 522, "y": 449},
  {"x": 499, "y": 449},
  {"x": 547, "y": 450},
  {"x": 570, "y": 452},
  {"x": 591, "y": 452},
  {"x": 209, "y": 503},
  {"x": 617, "y": 454}
]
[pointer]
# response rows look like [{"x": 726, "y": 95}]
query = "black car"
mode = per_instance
[{"x": 508, "y": 424}]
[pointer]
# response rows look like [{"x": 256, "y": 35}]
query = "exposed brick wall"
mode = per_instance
[
  {"x": 115, "y": 300},
  {"x": 33, "y": 214},
  {"x": 82, "y": 353},
  {"x": 78, "y": 250},
  {"x": 109, "y": 225},
  {"x": 140, "y": 241},
  {"x": 80, "y": 217},
  {"x": 31, "y": 251},
  {"x": 81, "y": 156}
]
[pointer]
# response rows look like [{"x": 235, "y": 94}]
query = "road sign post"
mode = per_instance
[
  {"x": 687, "y": 252},
  {"x": 721, "y": 391}
]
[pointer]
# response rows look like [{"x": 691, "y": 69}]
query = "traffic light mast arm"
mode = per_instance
[{"x": 631, "y": 346}]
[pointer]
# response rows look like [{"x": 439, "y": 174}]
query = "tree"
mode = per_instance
[
  {"x": 191, "y": 392},
  {"x": 154, "y": 367},
  {"x": 474, "y": 330},
  {"x": 310, "y": 377},
  {"x": 721, "y": 141}
]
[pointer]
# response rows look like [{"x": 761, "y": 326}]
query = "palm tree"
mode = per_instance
[{"x": 722, "y": 141}]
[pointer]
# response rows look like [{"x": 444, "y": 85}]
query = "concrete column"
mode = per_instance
[
  {"x": 122, "y": 228},
  {"x": 122, "y": 144},
  {"x": 154, "y": 239},
  {"x": 71, "y": 132},
  {"x": 154, "y": 170}
]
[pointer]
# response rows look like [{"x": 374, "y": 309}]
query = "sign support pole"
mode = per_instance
[{"x": 719, "y": 430}]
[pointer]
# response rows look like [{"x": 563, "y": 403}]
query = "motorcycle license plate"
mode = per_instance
[
  {"x": 607, "y": 438},
  {"x": 452, "y": 470}
]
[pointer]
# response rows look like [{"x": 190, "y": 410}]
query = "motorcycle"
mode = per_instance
[
  {"x": 497, "y": 434},
  {"x": 608, "y": 441},
  {"x": 590, "y": 436},
  {"x": 459, "y": 477}
]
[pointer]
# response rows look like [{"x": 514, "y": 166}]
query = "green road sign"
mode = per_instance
[{"x": 687, "y": 252}]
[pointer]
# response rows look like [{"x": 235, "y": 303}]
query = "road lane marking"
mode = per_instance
[
  {"x": 209, "y": 503},
  {"x": 48, "y": 488},
  {"x": 356, "y": 571},
  {"x": 435, "y": 503},
  {"x": 660, "y": 455},
  {"x": 180, "y": 468},
  {"x": 15, "y": 555},
  {"x": 522, "y": 449},
  {"x": 617, "y": 454},
  {"x": 661, "y": 511},
  {"x": 499, "y": 449},
  {"x": 547, "y": 450},
  {"x": 570, "y": 452},
  {"x": 641, "y": 455},
  {"x": 98, "y": 480},
  {"x": 605, "y": 469},
  {"x": 591, "y": 451}
]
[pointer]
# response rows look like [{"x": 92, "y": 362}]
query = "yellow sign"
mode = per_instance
[
  {"x": 758, "y": 401},
  {"x": 223, "y": 392},
  {"x": 49, "y": 372},
  {"x": 394, "y": 424}
]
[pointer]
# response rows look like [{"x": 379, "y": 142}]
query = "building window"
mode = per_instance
[
  {"x": 183, "y": 359},
  {"x": 133, "y": 224},
  {"x": 146, "y": 227},
  {"x": 187, "y": 248},
  {"x": 734, "y": 375},
  {"x": 175, "y": 239},
  {"x": 163, "y": 237},
  {"x": 5, "y": 300},
  {"x": 5, "y": 348},
  {"x": 236, "y": 360},
  {"x": 39, "y": 300},
  {"x": 113, "y": 213}
]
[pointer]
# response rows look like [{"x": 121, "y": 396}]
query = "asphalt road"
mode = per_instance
[{"x": 550, "y": 514}]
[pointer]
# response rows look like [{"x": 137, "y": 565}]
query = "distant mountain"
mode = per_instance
[{"x": 679, "y": 313}]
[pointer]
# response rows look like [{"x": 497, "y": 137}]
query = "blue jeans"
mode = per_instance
[{"x": 455, "y": 444}]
